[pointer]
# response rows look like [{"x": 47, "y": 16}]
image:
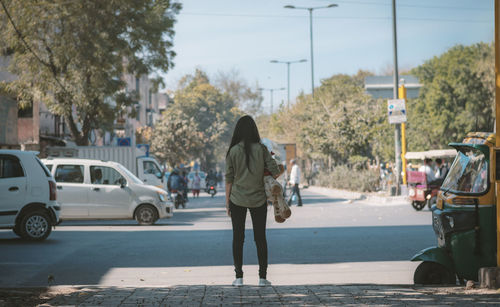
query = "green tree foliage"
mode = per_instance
[
  {"x": 247, "y": 98},
  {"x": 342, "y": 124},
  {"x": 457, "y": 97},
  {"x": 176, "y": 137},
  {"x": 72, "y": 54},
  {"x": 213, "y": 113}
]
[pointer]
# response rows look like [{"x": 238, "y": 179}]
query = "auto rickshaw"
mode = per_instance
[
  {"x": 421, "y": 192},
  {"x": 464, "y": 217}
]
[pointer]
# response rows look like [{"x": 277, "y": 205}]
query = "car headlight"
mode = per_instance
[{"x": 162, "y": 196}]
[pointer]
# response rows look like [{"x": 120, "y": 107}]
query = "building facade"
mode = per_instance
[{"x": 383, "y": 86}]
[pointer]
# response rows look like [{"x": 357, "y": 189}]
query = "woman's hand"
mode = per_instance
[{"x": 228, "y": 211}]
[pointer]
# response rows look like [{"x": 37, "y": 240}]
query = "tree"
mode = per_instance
[
  {"x": 457, "y": 97},
  {"x": 176, "y": 138},
  {"x": 247, "y": 98},
  {"x": 214, "y": 112},
  {"x": 72, "y": 54}
]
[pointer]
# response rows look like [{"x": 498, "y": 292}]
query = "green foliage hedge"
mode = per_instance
[{"x": 346, "y": 178}]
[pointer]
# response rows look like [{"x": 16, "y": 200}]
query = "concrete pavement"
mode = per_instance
[{"x": 223, "y": 295}]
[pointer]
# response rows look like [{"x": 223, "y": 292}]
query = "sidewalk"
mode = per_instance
[
  {"x": 217, "y": 295},
  {"x": 350, "y": 196}
]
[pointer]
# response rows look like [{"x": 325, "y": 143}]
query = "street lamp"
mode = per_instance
[
  {"x": 288, "y": 74},
  {"x": 271, "y": 90},
  {"x": 311, "y": 9}
]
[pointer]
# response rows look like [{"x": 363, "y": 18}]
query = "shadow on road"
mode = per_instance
[{"x": 93, "y": 253}]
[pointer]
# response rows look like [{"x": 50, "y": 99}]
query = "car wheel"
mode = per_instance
[
  {"x": 433, "y": 273},
  {"x": 35, "y": 226},
  {"x": 146, "y": 215}
]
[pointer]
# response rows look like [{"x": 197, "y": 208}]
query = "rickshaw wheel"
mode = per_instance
[
  {"x": 433, "y": 273},
  {"x": 418, "y": 205}
]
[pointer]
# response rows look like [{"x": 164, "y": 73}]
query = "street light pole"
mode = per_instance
[
  {"x": 288, "y": 74},
  {"x": 311, "y": 9},
  {"x": 397, "y": 131},
  {"x": 271, "y": 91},
  {"x": 312, "y": 53}
]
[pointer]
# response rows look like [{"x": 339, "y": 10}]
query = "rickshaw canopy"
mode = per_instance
[{"x": 431, "y": 154}]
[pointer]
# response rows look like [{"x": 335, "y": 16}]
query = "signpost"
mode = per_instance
[{"x": 396, "y": 109}]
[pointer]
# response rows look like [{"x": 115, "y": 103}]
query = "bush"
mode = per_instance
[{"x": 346, "y": 178}]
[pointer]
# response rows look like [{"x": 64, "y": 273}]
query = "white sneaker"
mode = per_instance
[
  {"x": 264, "y": 282},
  {"x": 238, "y": 282}
]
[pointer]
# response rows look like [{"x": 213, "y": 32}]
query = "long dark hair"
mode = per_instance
[{"x": 246, "y": 131}]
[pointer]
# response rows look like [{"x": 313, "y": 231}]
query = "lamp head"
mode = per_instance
[
  {"x": 289, "y": 6},
  {"x": 333, "y": 5},
  {"x": 274, "y": 61},
  {"x": 302, "y": 61}
]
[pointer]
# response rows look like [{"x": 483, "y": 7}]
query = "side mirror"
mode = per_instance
[{"x": 122, "y": 182}]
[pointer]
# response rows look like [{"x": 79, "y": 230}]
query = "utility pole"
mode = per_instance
[
  {"x": 497, "y": 119},
  {"x": 311, "y": 9},
  {"x": 288, "y": 74},
  {"x": 271, "y": 90},
  {"x": 402, "y": 95},
  {"x": 397, "y": 131}
]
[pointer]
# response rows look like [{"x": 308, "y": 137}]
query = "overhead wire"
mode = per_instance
[{"x": 333, "y": 17}]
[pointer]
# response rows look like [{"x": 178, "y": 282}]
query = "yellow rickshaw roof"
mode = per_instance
[{"x": 486, "y": 138}]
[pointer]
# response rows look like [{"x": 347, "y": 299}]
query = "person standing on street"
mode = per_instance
[
  {"x": 294, "y": 182},
  {"x": 246, "y": 160}
]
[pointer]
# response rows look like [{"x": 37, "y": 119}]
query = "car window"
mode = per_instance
[
  {"x": 49, "y": 167},
  {"x": 151, "y": 168},
  {"x": 105, "y": 175},
  {"x": 69, "y": 173},
  {"x": 10, "y": 167},
  {"x": 44, "y": 168}
]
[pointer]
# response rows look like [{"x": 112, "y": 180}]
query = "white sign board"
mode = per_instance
[{"x": 396, "y": 109}]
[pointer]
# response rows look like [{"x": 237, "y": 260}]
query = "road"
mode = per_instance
[{"x": 328, "y": 240}]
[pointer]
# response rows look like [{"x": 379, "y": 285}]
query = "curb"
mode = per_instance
[{"x": 352, "y": 196}]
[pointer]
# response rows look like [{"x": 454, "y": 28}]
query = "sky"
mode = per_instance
[{"x": 225, "y": 35}]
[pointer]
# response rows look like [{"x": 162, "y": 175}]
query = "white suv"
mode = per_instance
[
  {"x": 28, "y": 195},
  {"x": 100, "y": 190}
]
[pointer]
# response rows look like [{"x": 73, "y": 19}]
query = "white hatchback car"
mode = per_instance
[
  {"x": 99, "y": 190},
  {"x": 28, "y": 195}
]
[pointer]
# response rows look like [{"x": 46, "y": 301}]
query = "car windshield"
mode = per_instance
[
  {"x": 468, "y": 173},
  {"x": 130, "y": 175}
]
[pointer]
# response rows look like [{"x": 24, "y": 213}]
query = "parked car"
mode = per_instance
[
  {"x": 202, "y": 175},
  {"x": 28, "y": 195},
  {"x": 100, "y": 190}
]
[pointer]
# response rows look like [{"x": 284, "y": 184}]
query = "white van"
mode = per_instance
[
  {"x": 97, "y": 190},
  {"x": 28, "y": 195}
]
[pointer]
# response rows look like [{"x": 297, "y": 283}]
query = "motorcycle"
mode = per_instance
[
  {"x": 211, "y": 188},
  {"x": 178, "y": 199}
]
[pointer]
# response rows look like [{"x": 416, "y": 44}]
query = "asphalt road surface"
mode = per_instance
[{"x": 328, "y": 240}]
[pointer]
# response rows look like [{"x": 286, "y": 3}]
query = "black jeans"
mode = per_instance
[
  {"x": 295, "y": 190},
  {"x": 238, "y": 217}
]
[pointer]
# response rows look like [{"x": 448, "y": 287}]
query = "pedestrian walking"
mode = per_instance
[
  {"x": 196, "y": 185},
  {"x": 294, "y": 182},
  {"x": 219, "y": 178},
  {"x": 246, "y": 160}
]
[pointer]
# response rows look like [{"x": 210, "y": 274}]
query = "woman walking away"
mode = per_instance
[
  {"x": 245, "y": 163},
  {"x": 196, "y": 185}
]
